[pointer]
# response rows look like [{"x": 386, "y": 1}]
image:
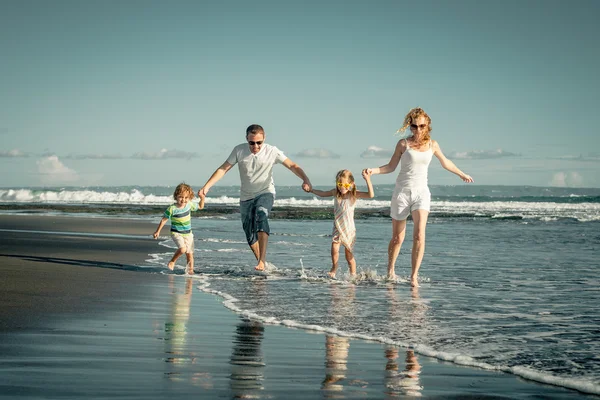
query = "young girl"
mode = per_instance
[{"x": 344, "y": 232}]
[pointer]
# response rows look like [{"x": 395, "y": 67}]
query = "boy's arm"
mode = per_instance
[
  {"x": 321, "y": 193},
  {"x": 162, "y": 223},
  {"x": 370, "y": 194}
]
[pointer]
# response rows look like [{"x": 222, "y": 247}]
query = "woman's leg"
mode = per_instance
[
  {"x": 398, "y": 233},
  {"x": 420, "y": 223}
]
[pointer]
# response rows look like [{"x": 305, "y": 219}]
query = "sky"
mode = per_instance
[{"x": 111, "y": 93}]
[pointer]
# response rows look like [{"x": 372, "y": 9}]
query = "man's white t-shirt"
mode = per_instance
[{"x": 256, "y": 170}]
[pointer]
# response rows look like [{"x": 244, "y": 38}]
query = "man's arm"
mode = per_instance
[
  {"x": 214, "y": 178},
  {"x": 295, "y": 168}
]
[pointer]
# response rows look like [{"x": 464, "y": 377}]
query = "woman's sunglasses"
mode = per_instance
[
  {"x": 251, "y": 143},
  {"x": 415, "y": 126},
  {"x": 344, "y": 185}
]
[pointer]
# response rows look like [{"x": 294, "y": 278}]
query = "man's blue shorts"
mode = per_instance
[{"x": 255, "y": 216}]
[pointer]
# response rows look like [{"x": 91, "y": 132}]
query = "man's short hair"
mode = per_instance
[{"x": 254, "y": 129}]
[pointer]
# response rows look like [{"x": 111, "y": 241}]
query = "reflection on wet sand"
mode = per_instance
[
  {"x": 179, "y": 353},
  {"x": 336, "y": 363},
  {"x": 247, "y": 364},
  {"x": 402, "y": 383},
  {"x": 336, "y": 347},
  {"x": 411, "y": 317}
]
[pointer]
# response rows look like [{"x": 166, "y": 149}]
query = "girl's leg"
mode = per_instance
[
  {"x": 177, "y": 254},
  {"x": 190, "y": 263},
  {"x": 420, "y": 223},
  {"x": 398, "y": 233},
  {"x": 335, "y": 256},
  {"x": 351, "y": 262}
]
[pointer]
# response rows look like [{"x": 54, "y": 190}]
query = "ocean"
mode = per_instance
[{"x": 509, "y": 282}]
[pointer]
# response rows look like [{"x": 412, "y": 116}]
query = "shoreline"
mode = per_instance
[
  {"x": 278, "y": 212},
  {"x": 75, "y": 297}
]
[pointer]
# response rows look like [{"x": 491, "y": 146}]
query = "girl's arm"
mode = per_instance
[
  {"x": 366, "y": 195},
  {"x": 321, "y": 193},
  {"x": 393, "y": 163},
  {"x": 448, "y": 164}
]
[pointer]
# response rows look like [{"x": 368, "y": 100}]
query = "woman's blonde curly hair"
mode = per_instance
[{"x": 412, "y": 115}]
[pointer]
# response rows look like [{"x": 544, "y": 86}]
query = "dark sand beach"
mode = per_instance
[{"x": 82, "y": 316}]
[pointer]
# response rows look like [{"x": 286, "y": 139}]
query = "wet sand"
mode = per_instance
[{"x": 82, "y": 315}]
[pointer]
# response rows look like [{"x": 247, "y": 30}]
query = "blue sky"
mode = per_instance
[{"x": 154, "y": 93}]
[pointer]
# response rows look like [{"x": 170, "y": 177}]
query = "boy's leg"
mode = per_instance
[
  {"x": 177, "y": 254},
  {"x": 335, "y": 256},
  {"x": 189, "y": 242},
  {"x": 351, "y": 261},
  {"x": 190, "y": 263}
]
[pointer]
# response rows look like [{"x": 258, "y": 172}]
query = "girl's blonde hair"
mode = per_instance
[
  {"x": 345, "y": 174},
  {"x": 183, "y": 189},
  {"x": 412, "y": 116}
]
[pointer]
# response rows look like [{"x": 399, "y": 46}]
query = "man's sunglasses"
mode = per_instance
[{"x": 251, "y": 143}]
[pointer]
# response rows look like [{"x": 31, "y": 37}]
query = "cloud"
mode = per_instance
[
  {"x": 376, "y": 152},
  {"x": 316, "y": 153},
  {"x": 482, "y": 154},
  {"x": 165, "y": 154},
  {"x": 590, "y": 157},
  {"x": 94, "y": 157},
  {"x": 13, "y": 153},
  {"x": 53, "y": 171},
  {"x": 566, "y": 179}
]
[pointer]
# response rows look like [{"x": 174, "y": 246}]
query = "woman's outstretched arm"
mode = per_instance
[{"x": 448, "y": 164}]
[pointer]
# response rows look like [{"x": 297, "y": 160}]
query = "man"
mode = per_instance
[{"x": 255, "y": 160}]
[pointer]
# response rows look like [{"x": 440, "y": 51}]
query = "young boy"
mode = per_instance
[{"x": 181, "y": 224}]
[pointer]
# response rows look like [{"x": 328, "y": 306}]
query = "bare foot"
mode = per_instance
[
  {"x": 260, "y": 266},
  {"x": 171, "y": 265},
  {"x": 414, "y": 283},
  {"x": 391, "y": 277},
  {"x": 190, "y": 271},
  {"x": 331, "y": 274}
]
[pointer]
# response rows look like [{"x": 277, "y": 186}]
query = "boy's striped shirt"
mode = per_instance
[{"x": 181, "y": 218}]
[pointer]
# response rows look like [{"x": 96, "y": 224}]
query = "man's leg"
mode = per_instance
[
  {"x": 255, "y": 247},
  {"x": 263, "y": 206},
  {"x": 247, "y": 212},
  {"x": 263, "y": 241}
]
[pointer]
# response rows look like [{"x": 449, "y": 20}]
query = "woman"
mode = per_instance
[{"x": 411, "y": 194}]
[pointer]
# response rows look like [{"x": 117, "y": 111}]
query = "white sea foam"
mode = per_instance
[{"x": 585, "y": 212}]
